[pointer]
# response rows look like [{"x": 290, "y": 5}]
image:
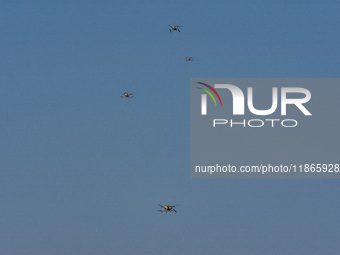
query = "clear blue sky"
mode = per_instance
[{"x": 82, "y": 171}]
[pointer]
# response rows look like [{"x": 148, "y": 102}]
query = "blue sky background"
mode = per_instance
[{"x": 82, "y": 171}]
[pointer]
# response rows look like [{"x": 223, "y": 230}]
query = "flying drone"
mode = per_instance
[
  {"x": 168, "y": 208},
  {"x": 189, "y": 59},
  {"x": 126, "y": 95},
  {"x": 174, "y": 28}
]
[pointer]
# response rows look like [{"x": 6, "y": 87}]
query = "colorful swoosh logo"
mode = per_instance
[{"x": 209, "y": 93}]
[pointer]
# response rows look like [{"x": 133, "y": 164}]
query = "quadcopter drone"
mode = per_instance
[
  {"x": 189, "y": 59},
  {"x": 168, "y": 208},
  {"x": 126, "y": 95},
  {"x": 174, "y": 28}
]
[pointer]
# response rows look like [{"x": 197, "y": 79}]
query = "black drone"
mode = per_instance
[
  {"x": 127, "y": 95},
  {"x": 168, "y": 208},
  {"x": 189, "y": 59},
  {"x": 174, "y": 28}
]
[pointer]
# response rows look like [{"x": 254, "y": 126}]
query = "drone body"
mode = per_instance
[
  {"x": 127, "y": 95},
  {"x": 189, "y": 59},
  {"x": 168, "y": 208},
  {"x": 174, "y": 28}
]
